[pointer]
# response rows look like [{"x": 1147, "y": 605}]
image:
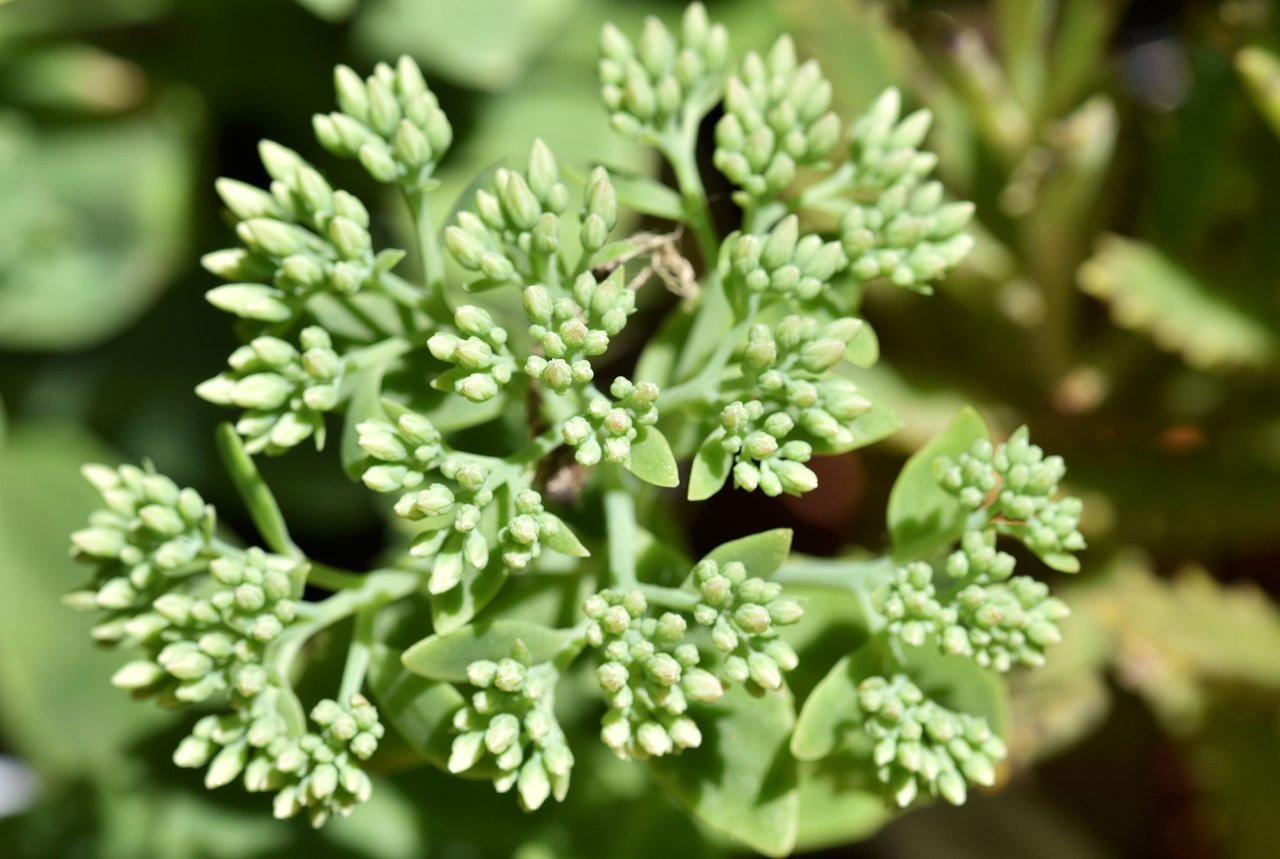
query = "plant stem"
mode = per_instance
[
  {"x": 620, "y": 529},
  {"x": 430, "y": 254},
  {"x": 358, "y": 656},
  {"x": 362, "y": 316},
  {"x": 333, "y": 579},
  {"x": 681, "y": 152},
  {"x": 672, "y": 598}
]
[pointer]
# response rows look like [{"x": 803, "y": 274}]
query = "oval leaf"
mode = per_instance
[
  {"x": 742, "y": 780},
  {"x": 830, "y": 710},
  {"x": 420, "y": 710},
  {"x": 922, "y": 515},
  {"x": 761, "y": 553},
  {"x": 711, "y": 467},
  {"x": 446, "y": 656},
  {"x": 652, "y": 460}
]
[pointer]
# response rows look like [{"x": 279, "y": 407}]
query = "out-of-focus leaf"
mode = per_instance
[
  {"x": 922, "y": 515},
  {"x": 331, "y": 10},
  {"x": 1149, "y": 292},
  {"x": 1173, "y": 637},
  {"x": 75, "y": 77},
  {"x": 486, "y": 44},
  {"x": 420, "y": 710},
  {"x": 387, "y": 826},
  {"x": 833, "y": 812},
  {"x": 57, "y": 706},
  {"x": 1024, "y": 27},
  {"x": 742, "y": 780},
  {"x": 93, "y": 222},
  {"x": 446, "y": 656},
  {"x": 1260, "y": 70}
]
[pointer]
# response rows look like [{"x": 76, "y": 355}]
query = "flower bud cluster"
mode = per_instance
[
  {"x": 608, "y": 429},
  {"x": 599, "y": 211},
  {"x": 662, "y": 82},
  {"x": 447, "y": 491},
  {"x": 900, "y": 228},
  {"x": 766, "y": 460},
  {"x": 317, "y": 772},
  {"x": 911, "y": 606},
  {"x": 1003, "y": 625},
  {"x": 649, "y": 674},
  {"x": 777, "y": 118},
  {"x": 920, "y": 746},
  {"x": 744, "y": 614},
  {"x": 300, "y": 238},
  {"x": 285, "y": 391},
  {"x": 205, "y": 644},
  {"x": 146, "y": 538},
  {"x": 1017, "y": 483},
  {"x": 528, "y": 528},
  {"x": 513, "y": 235},
  {"x": 511, "y": 723},
  {"x": 482, "y": 362},
  {"x": 783, "y": 264},
  {"x": 572, "y": 330},
  {"x": 391, "y": 122}
]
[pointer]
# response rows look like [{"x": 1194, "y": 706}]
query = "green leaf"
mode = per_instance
[
  {"x": 742, "y": 780},
  {"x": 711, "y": 467},
  {"x": 834, "y": 808},
  {"x": 828, "y": 713},
  {"x": 445, "y": 656},
  {"x": 253, "y": 490},
  {"x": 484, "y": 44},
  {"x": 421, "y": 710},
  {"x": 877, "y": 424},
  {"x": 565, "y": 541},
  {"x": 647, "y": 195},
  {"x": 761, "y": 553},
  {"x": 95, "y": 221},
  {"x": 1149, "y": 292},
  {"x": 1260, "y": 70},
  {"x": 922, "y": 515},
  {"x": 960, "y": 684},
  {"x": 58, "y": 709},
  {"x": 652, "y": 460},
  {"x": 864, "y": 349},
  {"x": 364, "y": 403},
  {"x": 458, "y": 605}
]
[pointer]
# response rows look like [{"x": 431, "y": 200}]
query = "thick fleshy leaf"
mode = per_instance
[
  {"x": 923, "y": 516},
  {"x": 761, "y": 553},
  {"x": 457, "y": 606},
  {"x": 742, "y": 780},
  {"x": 864, "y": 349},
  {"x": 838, "y": 804},
  {"x": 445, "y": 656},
  {"x": 421, "y": 710},
  {"x": 652, "y": 460},
  {"x": 711, "y": 467},
  {"x": 565, "y": 541},
  {"x": 646, "y": 195},
  {"x": 1149, "y": 292},
  {"x": 830, "y": 710},
  {"x": 254, "y": 491}
]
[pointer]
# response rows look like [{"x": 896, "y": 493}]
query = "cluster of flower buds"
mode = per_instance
[
  {"x": 900, "y": 228},
  {"x": 910, "y": 604},
  {"x": 572, "y": 330},
  {"x": 919, "y": 744},
  {"x": 511, "y": 722},
  {"x": 783, "y": 264},
  {"x": 907, "y": 235},
  {"x": 649, "y": 674},
  {"x": 407, "y": 451},
  {"x": 599, "y": 211},
  {"x": 777, "y": 118},
  {"x": 608, "y": 429},
  {"x": 284, "y": 392},
  {"x": 199, "y": 647},
  {"x": 513, "y": 236},
  {"x": 788, "y": 367},
  {"x": 392, "y": 122},
  {"x": 529, "y": 529},
  {"x": 1003, "y": 625},
  {"x": 744, "y": 614},
  {"x": 662, "y": 83},
  {"x": 482, "y": 362},
  {"x": 1017, "y": 483},
  {"x": 316, "y": 771},
  {"x": 147, "y": 537},
  {"x": 978, "y": 560},
  {"x": 765, "y": 461},
  {"x": 300, "y": 238}
]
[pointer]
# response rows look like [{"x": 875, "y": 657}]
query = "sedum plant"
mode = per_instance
[{"x": 525, "y": 432}]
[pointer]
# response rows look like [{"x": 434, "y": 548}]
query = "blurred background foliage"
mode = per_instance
[{"x": 1124, "y": 300}]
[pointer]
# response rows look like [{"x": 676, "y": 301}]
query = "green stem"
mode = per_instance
[
  {"x": 857, "y": 576},
  {"x": 704, "y": 386},
  {"x": 672, "y": 598},
  {"x": 620, "y": 529},
  {"x": 254, "y": 492},
  {"x": 681, "y": 152},
  {"x": 362, "y": 316},
  {"x": 431, "y": 255},
  {"x": 358, "y": 656},
  {"x": 333, "y": 579}
]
